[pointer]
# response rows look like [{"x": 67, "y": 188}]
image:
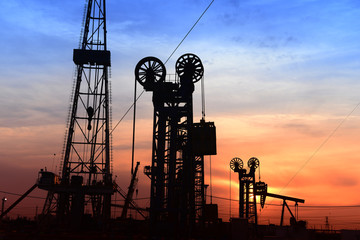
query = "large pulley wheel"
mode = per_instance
[
  {"x": 190, "y": 67},
  {"x": 253, "y": 162},
  {"x": 149, "y": 71},
  {"x": 236, "y": 163}
]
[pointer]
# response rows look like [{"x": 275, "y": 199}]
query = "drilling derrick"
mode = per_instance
[
  {"x": 177, "y": 170},
  {"x": 86, "y": 178},
  {"x": 247, "y": 191}
]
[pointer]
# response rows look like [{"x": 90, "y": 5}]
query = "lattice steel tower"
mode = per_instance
[{"x": 86, "y": 178}]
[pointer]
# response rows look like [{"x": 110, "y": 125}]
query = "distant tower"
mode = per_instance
[
  {"x": 247, "y": 195},
  {"x": 327, "y": 225},
  {"x": 86, "y": 178}
]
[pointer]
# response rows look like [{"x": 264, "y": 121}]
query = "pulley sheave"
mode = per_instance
[
  {"x": 236, "y": 163},
  {"x": 253, "y": 163},
  {"x": 149, "y": 71},
  {"x": 190, "y": 67}
]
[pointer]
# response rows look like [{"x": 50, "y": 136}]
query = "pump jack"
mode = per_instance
[{"x": 249, "y": 189}]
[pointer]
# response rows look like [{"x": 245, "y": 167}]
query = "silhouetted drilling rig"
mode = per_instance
[
  {"x": 86, "y": 175},
  {"x": 249, "y": 189},
  {"x": 179, "y": 145}
]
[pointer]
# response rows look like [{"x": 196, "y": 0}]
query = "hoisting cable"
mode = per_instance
[
  {"x": 202, "y": 98},
  {"x": 210, "y": 183},
  {"x": 164, "y": 64},
  {"x": 259, "y": 174},
  {"x": 133, "y": 137}
]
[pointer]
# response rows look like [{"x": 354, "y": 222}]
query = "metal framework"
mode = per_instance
[
  {"x": 261, "y": 190},
  {"x": 177, "y": 171},
  {"x": 249, "y": 189},
  {"x": 86, "y": 178},
  {"x": 247, "y": 195}
]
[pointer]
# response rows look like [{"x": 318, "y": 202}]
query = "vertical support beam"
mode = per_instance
[
  {"x": 173, "y": 178},
  {"x": 241, "y": 196},
  {"x": 282, "y": 213},
  {"x": 247, "y": 195},
  {"x": 158, "y": 162},
  {"x": 254, "y": 207}
]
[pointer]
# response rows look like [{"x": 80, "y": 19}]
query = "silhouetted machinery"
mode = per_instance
[
  {"x": 179, "y": 145},
  {"x": 249, "y": 189},
  {"x": 85, "y": 182},
  {"x": 86, "y": 178}
]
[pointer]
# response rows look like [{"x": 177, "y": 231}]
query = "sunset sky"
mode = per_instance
[{"x": 281, "y": 84}]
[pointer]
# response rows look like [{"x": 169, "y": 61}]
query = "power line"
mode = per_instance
[
  {"x": 18, "y": 194},
  {"x": 302, "y": 206},
  {"x": 221, "y": 198},
  {"x": 189, "y": 31},
  {"x": 329, "y": 206},
  {"x": 320, "y": 146}
]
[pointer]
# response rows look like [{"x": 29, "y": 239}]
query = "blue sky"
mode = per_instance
[
  {"x": 281, "y": 74},
  {"x": 298, "y": 51}
]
